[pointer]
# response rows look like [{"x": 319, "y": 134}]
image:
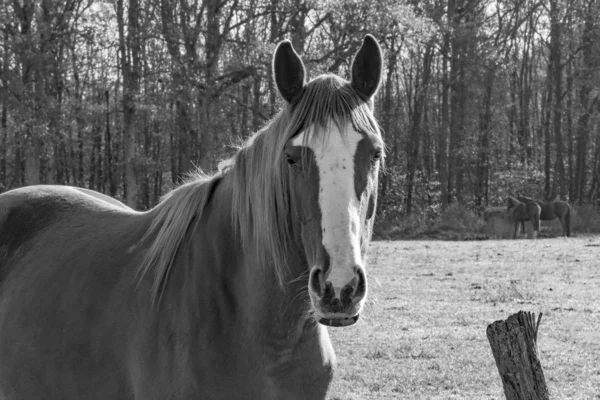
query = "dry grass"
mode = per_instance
[{"x": 422, "y": 335}]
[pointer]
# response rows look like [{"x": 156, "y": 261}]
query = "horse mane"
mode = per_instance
[
  {"x": 259, "y": 181},
  {"x": 260, "y": 208},
  {"x": 177, "y": 213},
  {"x": 529, "y": 199}
]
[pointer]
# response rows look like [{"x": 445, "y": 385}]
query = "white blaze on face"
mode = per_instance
[{"x": 340, "y": 209}]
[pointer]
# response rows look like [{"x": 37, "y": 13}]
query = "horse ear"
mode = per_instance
[
  {"x": 366, "y": 68},
  {"x": 288, "y": 70}
]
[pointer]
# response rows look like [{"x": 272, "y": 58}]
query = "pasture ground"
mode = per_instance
[{"x": 422, "y": 334}]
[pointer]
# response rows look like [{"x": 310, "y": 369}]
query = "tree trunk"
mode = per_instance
[
  {"x": 555, "y": 59},
  {"x": 485, "y": 121},
  {"x": 3, "y": 144},
  {"x": 445, "y": 113},
  {"x": 297, "y": 26},
  {"x": 32, "y": 159},
  {"x": 420, "y": 91},
  {"x": 594, "y": 193},
  {"x": 512, "y": 117},
  {"x": 174, "y": 159},
  {"x": 80, "y": 123},
  {"x": 387, "y": 107},
  {"x": 257, "y": 114},
  {"x": 177, "y": 25},
  {"x": 274, "y": 35},
  {"x": 570, "y": 187},
  {"x": 218, "y": 25},
  {"x": 129, "y": 50},
  {"x": 547, "y": 115},
  {"x": 524, "y": 102},
  {"x": 455, "y": 129},
  {"x": 109, "y": 177},
  {"x": 458, "y": 86},
  {"x": 585, "y": 110},
  {"x": 4, "y": 114},
  {"x": 96, "y": 177},
  {"x": 25, "y": 16}
]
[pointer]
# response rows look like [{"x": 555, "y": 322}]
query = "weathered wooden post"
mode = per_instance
[{"x": 514, "y": 345}]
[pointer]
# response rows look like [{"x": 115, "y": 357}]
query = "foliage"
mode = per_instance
[
  {"x": 460, "y": 220},
  {"x": 455, "y": 223},
  {"x": 520, "y": 181},
  {"x": 466, "y": 103},
  {"x": 585, "y": 219}
]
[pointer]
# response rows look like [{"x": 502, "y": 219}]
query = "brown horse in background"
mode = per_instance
[
  {"x": 521, "y": 212},
  {"x": 552, "y": 210}
]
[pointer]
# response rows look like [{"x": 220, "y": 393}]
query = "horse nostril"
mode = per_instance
[
  {"x": 361, "y": 286},
  {"x": 316, "y": 281}
]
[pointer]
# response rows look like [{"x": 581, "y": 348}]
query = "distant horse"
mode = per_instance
[
  {"x": 521, "y": 212},
  {"x": 225, "y": 288},
  {"x": 552, "y": 210}
]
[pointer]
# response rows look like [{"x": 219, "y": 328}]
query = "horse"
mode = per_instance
[
  {"x": 224, "y": 290},
  {"x": 521, "y": 212},
  {"x": 552, "y": 210}
]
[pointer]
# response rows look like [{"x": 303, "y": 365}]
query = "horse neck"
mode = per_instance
[
  {"x": 289, "y": 337},
  {"x": 279, "y": 312},
  {"x": 217, "y": 283}
]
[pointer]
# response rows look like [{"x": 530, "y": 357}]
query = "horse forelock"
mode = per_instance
[
  {"x": 330, "y": 99},
  {"x": 260, "y": 188},
  {"x": 177, "y": 213}
]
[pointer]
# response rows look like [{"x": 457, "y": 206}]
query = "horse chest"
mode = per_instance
[
  {"x": 294, "y": 378},
  {"x": 299, "y": 378},
  {"x": 303, "y": 371}
]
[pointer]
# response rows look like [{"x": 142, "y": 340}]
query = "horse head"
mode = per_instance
[{"x": 332, "y": 163}]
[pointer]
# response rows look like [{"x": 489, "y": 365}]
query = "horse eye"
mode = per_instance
[
  {"x": 377, "y": 156},
  {"x": 290, "y": 160}
]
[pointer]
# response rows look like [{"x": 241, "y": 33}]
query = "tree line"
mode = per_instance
[{"x": 480, "y": 98}]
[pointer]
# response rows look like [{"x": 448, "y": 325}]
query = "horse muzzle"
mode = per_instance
[{"x": 339, "y": 306}]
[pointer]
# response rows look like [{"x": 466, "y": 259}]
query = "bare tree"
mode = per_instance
[{"x": 129, "y": 51}]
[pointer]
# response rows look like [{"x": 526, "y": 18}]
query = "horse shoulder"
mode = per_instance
[
  {"x": 66, "y": 262},
  {"x": 27, "y": 213},
  {"x": 23, "y": 214}
]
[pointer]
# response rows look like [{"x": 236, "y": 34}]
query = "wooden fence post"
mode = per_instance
[{"x": 514, "y": 345}]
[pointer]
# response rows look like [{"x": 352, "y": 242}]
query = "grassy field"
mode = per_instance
[{"x": 422, "y": 334}]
